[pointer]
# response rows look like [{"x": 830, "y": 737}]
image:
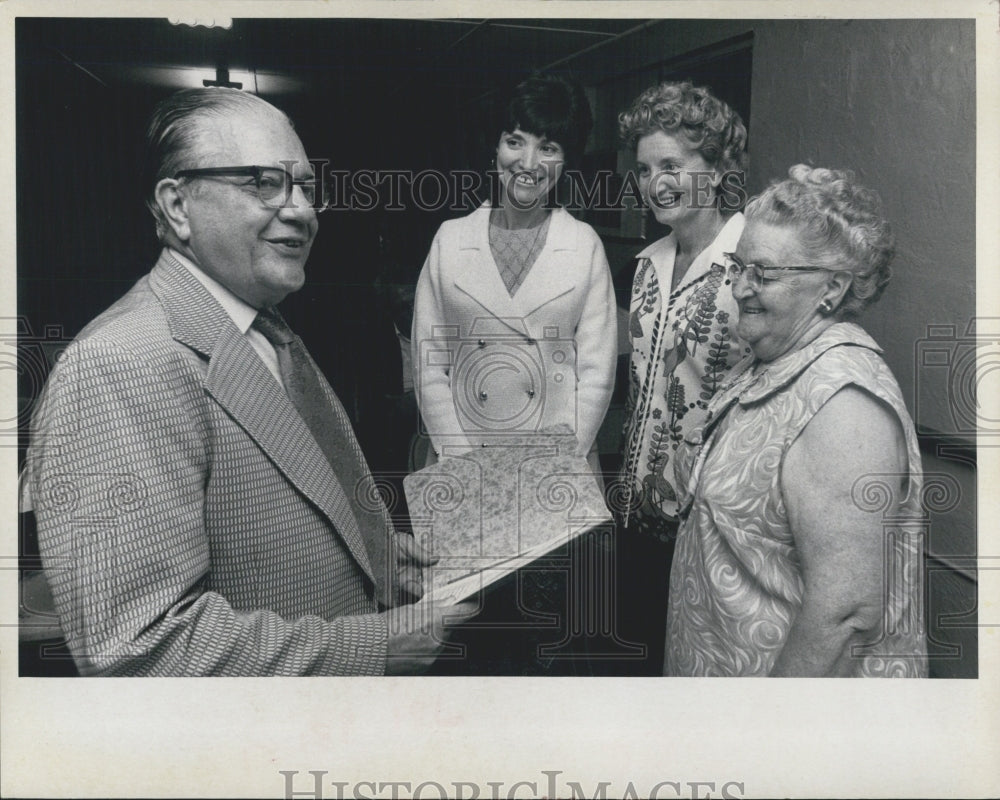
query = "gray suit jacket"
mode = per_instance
[{"x": 188, "y": 522}]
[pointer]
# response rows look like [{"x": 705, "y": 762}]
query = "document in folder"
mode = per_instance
[{"x": 489, "y": 512}]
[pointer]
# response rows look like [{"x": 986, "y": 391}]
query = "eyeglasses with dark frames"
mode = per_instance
[
  {"x": 274, "y": 185},
  {"x": 756, "y": 274}
]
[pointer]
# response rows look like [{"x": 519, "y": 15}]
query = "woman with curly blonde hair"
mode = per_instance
[{"x": 691, "y": 152}]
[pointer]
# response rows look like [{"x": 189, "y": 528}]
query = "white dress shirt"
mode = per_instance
[{"x": 241, "y": 313}]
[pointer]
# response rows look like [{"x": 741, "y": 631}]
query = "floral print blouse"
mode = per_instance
[{"x": 683, "y": 347}]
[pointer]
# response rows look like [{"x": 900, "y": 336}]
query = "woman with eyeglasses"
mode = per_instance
[
  {"x": 800, "y": 552},
  {"x": 690, "y": 154}
]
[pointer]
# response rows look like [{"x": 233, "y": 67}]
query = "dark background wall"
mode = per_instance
[{"x": 893, "y": 100}]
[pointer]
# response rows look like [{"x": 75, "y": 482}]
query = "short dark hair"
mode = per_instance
[
  {"x": 173, "y": 132},
  {"x": 549, "y": 105}
]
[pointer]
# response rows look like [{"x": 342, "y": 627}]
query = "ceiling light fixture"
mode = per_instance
[{"x": 204, "y": 22}]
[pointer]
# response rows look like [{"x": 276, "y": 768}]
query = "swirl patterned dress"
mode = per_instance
[{"x": 736, "y": 583}]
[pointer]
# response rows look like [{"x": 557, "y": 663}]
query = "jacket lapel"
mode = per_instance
[
  {"x": 477, "y": 275},
  {"x": 553, "y": 275},
  {"x": 548, "y": 279},
  {"x": 242, "y": 385}
]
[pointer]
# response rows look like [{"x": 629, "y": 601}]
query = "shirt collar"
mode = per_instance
[
  {"x": 724, "y": 242},
  {"x": 785, "y": 369},
  {"x": 665, "y": 243},
  {"x": 241, "y": 312},
  {"x": 747, "y": 387}
]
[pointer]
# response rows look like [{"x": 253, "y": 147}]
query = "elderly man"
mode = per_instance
[{"x": 203, "y": 507}]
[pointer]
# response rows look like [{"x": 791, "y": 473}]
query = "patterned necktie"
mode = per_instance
[{"x": 331, "y": 428}]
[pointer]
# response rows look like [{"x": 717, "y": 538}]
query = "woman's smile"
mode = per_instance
[{"x": 529, "y": 167}]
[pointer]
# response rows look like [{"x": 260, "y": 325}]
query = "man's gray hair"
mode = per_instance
[{"x": 172, "y": 135}]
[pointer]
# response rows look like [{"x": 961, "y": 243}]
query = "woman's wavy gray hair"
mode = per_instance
[{"x": 843, "y": 225}]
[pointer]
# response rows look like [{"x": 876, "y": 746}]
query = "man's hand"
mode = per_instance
[
  {"x": 417, "y": 634},
  {"x": 411, "y": 559}
]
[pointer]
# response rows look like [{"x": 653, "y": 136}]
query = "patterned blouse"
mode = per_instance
[
  {"x": 516, "y": 250},
  {"x": 683, "y": 347},
  {"x": 736, "y": 583}
]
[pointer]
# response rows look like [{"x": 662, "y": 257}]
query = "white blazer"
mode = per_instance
[{"x": 487, "y": 365}]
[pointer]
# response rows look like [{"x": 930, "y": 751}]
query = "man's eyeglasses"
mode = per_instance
[
  {"x": 756, "y": 274},
  {"x": 274, "y": 185}
]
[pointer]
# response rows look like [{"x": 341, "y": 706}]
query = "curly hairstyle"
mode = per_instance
[
  {"x": 713, "y": 128},
  {"x": 174, "y": 129},
  {"x": 843, "y": 226},
  {"x": 552, "y": 106}
]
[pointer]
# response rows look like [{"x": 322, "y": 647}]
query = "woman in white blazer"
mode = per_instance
[
  {"x": 515, "y": 332},
  {"x": 514, "y": 326}
]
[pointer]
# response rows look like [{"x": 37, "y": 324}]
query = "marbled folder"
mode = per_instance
[{"x": 488, "y": 512}]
